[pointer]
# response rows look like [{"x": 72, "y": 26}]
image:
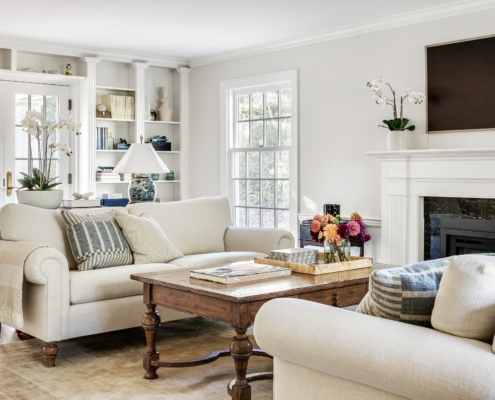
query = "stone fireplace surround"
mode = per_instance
[{"x": 410, "y": 175}]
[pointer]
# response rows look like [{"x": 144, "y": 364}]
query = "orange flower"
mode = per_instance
[
  {"x": 338, "y": 240},
  {"x": 356, "y": 217},
  {"x": 330, "y": 233},
  {"x": 329, "y": 218},
  {"x": 315, "y": 226},
  {"x": 320, "y": 235},
  {"x": 318, "y": 217}
]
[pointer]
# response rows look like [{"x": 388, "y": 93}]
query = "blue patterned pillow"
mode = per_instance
[
  {"x": 405, "y": 294},
  {"x": 96, "y": 240}
]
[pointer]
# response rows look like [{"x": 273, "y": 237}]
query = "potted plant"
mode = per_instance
[
  {"x": 397, "y": 127},
  {"x": 38, "y": 185}
]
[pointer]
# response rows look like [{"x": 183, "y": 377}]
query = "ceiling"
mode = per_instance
[{"x": 189, "y": 29}]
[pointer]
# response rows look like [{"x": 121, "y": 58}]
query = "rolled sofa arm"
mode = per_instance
[
  {"x": 40, "y": 261},
  {"x": 261, "y": 240},
  {"x": 407, "y": 360}
]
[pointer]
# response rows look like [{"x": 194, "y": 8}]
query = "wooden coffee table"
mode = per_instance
[{"x": 237, "y": 305}]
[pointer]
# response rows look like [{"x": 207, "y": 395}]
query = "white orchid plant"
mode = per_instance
[
  {"x": 34, "y": 124},
  {"x": 396, "y": 124}
]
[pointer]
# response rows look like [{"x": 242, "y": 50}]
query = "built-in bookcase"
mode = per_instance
[{"x": 142, "y": 81}]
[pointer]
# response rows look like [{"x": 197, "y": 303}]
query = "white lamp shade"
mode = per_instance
[{"x": 141, "y": 158}]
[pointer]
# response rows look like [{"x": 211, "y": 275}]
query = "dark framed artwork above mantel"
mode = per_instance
[{"x": 460, "y": 86}]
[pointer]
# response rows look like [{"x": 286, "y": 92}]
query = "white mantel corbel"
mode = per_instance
[{"x": 410, "y": 175}]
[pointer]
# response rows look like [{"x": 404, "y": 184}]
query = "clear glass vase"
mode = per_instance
[{"x": 334, "y": 253}]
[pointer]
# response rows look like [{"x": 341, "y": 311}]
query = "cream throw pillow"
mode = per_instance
[
  {"x": 465, "y": 302},
  {"x": 146, "y": 239}
]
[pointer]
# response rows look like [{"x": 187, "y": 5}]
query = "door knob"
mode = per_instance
[{"x": 9, "y": 184}]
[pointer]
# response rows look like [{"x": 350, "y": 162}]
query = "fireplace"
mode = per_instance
[{"x": 456, "y": 226}]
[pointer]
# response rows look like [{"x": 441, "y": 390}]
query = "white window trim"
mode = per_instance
[{"x": 227, "y": 90}]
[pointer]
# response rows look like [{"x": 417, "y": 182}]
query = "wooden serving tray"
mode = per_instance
[{"x": 320, "y": 268}]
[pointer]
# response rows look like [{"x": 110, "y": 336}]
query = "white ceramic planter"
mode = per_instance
[
  {"x": 397, "y": 140},
  {"x": 50, "y": 199}
]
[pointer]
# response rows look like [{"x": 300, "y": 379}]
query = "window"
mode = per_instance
[{"x": 261, "y": 151}]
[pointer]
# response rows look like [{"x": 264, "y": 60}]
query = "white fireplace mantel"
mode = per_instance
[{"x": 410, "y": 175}]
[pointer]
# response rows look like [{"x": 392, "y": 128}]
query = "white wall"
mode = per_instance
[{"x": 338, "y": 120}]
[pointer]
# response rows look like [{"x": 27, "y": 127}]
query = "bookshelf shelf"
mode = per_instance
[
  {"x": 163, "y": 122},
  {"x": 114, "y": 89},
  {"x": 113, "y": 183},
  {"x": 115, "y": 120},
  {"x": 124, "y": 151}
]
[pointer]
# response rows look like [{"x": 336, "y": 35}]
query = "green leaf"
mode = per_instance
[
  {"x": 411, "y": 128},
  {"x": 405, "y": 121}
]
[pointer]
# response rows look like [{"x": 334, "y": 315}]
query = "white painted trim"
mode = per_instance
[
  {"x": 395, "y": 21},
  {"x": 184, "y": 130},
  {"x": 369, "y": 222},
  {"x": 227, "y": 89},
  {"x": 78, "y": 51},
  {"x": 434, "y": 154}
]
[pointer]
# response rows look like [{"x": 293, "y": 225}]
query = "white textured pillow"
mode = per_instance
[
  {"x": 465, "y": 302},
  {"x": 146, "y": 239}
]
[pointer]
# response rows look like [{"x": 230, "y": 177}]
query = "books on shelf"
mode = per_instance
[
  {"x": 81, "y": 203},
  {"x": 101, "y": 138},
  {"x": 121, "y": 107},
  {"x": 104, "y": 176},
  {"x": 240, "y": 273},
  {"x": 109, "y": 196}
]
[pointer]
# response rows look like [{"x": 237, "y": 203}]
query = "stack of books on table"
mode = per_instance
[
  {"x": 110, "y": 196},
  {"x": 240, "y": 273},
  {"x": 109, "y": 177},
  {"x": 297, "y": 255},
  {"x": 91, "y": 203}
]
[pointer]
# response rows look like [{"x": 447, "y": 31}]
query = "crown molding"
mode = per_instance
[
  {"x": 77, "y": 51},
  {"x": 462, "y": 7}
]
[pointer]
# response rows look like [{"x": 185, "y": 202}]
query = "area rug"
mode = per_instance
[{"x": 109, "y": 366}]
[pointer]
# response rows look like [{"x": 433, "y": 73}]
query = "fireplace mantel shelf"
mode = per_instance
[{"x": 433, "y": 154}]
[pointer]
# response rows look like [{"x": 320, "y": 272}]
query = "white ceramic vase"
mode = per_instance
[
  {"x": 397, "y": 140},
  {"x": 165, "y": 112},
  {"x": 50, "y": 199}
]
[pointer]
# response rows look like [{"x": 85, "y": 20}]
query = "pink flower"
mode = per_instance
[{"x": 354, "y": 228}]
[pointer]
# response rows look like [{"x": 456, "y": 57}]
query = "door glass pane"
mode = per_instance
[
  {"x": 240, "y": 216},
  {"x": 21, "y": 106},
  {"x": 283, "y": 219},
  {"x": 257, "y": 106},
  {"x": 268, "y": 164},
  {"x": 37, "y": 103},
  {"x": 240, "y": 165},
  {"x": 254, "y": 193},
  {"x": 268, "y": 219},
  {"x": 254, "y": 217},
  {"x": 22, "y": 143},
  {"x": 240, "y": 192},
  {"x": 272, "y": 104},
  {"x": 253, "y": 164},
  {"x": 283, "y": 194},
  {"x": 285, "y": 125},
  {"x": 243, "y": 107},
  {"x": 257, "y": 133},
  {"x": 243, "y": 134},
  {"x": 272, "y": 133},
  {"x": 51, "y": 108},
  {"x": 268, "y": 194},
  {"x": 283, "y": 164},
  {"x": 285, "y": 103}
]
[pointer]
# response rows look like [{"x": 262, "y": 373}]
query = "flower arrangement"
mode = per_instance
[
  {"x": 336, "y": 235},
  {"x": 34, "y": 123},
  {"x": 396, "y": 124}
]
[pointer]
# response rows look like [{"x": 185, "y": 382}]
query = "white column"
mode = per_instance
[
  {"x": 139, "y": 82},
  {"x": 184, "y": 131},
  {"x": 87, "y": 148}
]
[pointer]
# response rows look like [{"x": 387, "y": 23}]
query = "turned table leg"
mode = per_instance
[
  {"x": 151, "y": 322},
  {"x": 50, "y": 351},
  {"x": 241, "y": 349}
]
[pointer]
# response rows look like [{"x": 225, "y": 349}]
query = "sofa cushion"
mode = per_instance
[
  {"x": 96, "y": 240},
  {"x": 110, "y": 283},
  {"x": 148, "y": 242},
  {"x": 214, "y": 259},
  {"x": 194, "y": 226},
  {"x": 22, "y": 223},
  {"x": 465, "y": 303}
]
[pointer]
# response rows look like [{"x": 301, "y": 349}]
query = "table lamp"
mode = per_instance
[{"x": 142, "y": 160}]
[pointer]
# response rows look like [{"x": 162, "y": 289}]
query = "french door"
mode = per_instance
[{"x": 20, "y": 147}]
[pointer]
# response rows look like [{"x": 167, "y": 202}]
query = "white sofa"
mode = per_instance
[
  {"x": 61, "y": 302},
  {"x": 323, "y": 353}
]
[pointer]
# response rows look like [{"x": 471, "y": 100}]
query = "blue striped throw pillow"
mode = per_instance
[{"x": 96, "y": 240}]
